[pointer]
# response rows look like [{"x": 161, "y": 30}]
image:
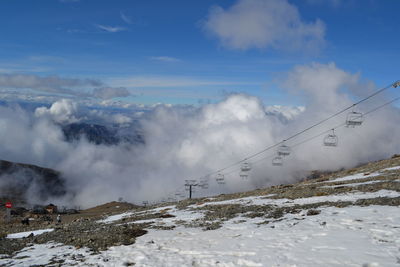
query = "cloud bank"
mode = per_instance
[
  {"x": 264, "y": 24},
  {"x": 110, "y": 92},
  {"x": 58, "y": 85},
  {"x": 52, "y": 84},
  {"x": 184, "y": 142}
]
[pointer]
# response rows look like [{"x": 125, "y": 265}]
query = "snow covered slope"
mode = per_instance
[{"x": 348, "y": 220}]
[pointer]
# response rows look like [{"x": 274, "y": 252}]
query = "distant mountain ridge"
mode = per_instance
[
  {"x": 17, "y": 179},
  {"x": 100, "y": 134}
]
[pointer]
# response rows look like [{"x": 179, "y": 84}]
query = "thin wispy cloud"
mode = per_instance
[
  {"x": 58, "y": 85},
  {"x": 111, "y": 29},
  {"x": 165, "y": 59},
  {"x": 125, "y": 18},
  {"x": 169, "y": 81},
  {"x": 334, "y": 3},
  {"x": 45, "y": 58},
  {"x": 53, "y": 84},
  {"x": 110, "y": 92}
]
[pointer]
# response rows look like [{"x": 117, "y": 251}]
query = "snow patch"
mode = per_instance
[
  {"x": 28, "y": 233},
  {"x": 355, "y": 177},
  {"x": 354, "y": 184}
]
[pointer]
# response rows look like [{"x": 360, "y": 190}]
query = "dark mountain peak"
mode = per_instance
[
  {"x": 100, "y": 134},
  {"x": 20, "y": 180}
]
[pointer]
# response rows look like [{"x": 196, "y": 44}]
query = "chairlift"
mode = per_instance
[
  {"x": 283, "y": 150},
  {"x": 277, "y": 161},
  {"x": 244, "y": 170},
  {"x": 244, "y": 175},
  {"x": 354, "y": 119},
  {"x": 179, "y": 194},
  {"x": 205, "y": 178},
  {"x": 246, "y": 167},
  {"x": 331, "y": 139},
  {"x": 220, "y": 178},
  {"x": 203, "y": 184}
]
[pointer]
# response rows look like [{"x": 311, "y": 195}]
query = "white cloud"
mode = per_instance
[
  {"x": 284, "y": 113},
  {"x": 125, "y": 18},
  {"x": 63, "y": 111},
  {"x": 188, "y": 142},
  {"x": 58, "y": 85},
  {"x": 53, "y": 84},
  {"x": 111, "y": 29},
  {"x": 334, "y": 3},
  {"x": 110, "y": 92},
  {"x": 165, "y": 59},
  {"x": 324, "y": 89},
  {"x": 168, "y": 81},
  {"x": 264, "y": 24}
]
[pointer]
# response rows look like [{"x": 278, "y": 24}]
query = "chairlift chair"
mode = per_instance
[
  {"x": 244, "y": 175},
  {"x": 220, "y": 178},
  {"x": 246, "y": 167},
  {"x": 283, "y": 150},
  {"x": 331, "y": 139},
  {"x": 204, "y": 186},
  {"x": 179, "y": 195},
  {"x": 277, "y": 161},
  {"x": 354, "y": 119}
]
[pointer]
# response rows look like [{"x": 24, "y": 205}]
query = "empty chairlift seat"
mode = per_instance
[
  {"x": 220, "y": 178},
  {"x": 244, "y": 175},
  {"x": 331, "y": 139},
  {"x": 283, "y": 150},
  {"x": 244, "y": 170},
  {"x": 277, "y": 161},
  {"x": 354, "y": 119},
  {"x": 246, "y": 167},
  {"x": 203, "y": 183}
]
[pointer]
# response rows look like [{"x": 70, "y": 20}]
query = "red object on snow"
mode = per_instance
[{"x": 8, "y": 205}]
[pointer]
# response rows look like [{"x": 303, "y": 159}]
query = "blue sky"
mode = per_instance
[{"x": 189, "y": 52}]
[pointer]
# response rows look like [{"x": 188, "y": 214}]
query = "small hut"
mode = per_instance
[{"x": 51, "y": 208}]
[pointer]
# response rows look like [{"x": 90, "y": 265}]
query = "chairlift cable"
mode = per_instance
[
  {"x": 305, "y": 130},
  {"x": 320, "y": 134},
  {"x": 394, "y": 85}
]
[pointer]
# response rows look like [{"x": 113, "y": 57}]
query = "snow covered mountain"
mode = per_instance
[{"x": 349, "y": 218}]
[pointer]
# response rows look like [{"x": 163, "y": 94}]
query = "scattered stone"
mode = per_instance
[{"x": 313, "y": 212}]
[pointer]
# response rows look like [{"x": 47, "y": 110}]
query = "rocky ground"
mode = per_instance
[
  {"x": 116, "y": 224},
  {"x": 79, "y": 230}
]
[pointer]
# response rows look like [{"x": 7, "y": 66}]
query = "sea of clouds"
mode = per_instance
[{"x": 187, "y": 142}]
